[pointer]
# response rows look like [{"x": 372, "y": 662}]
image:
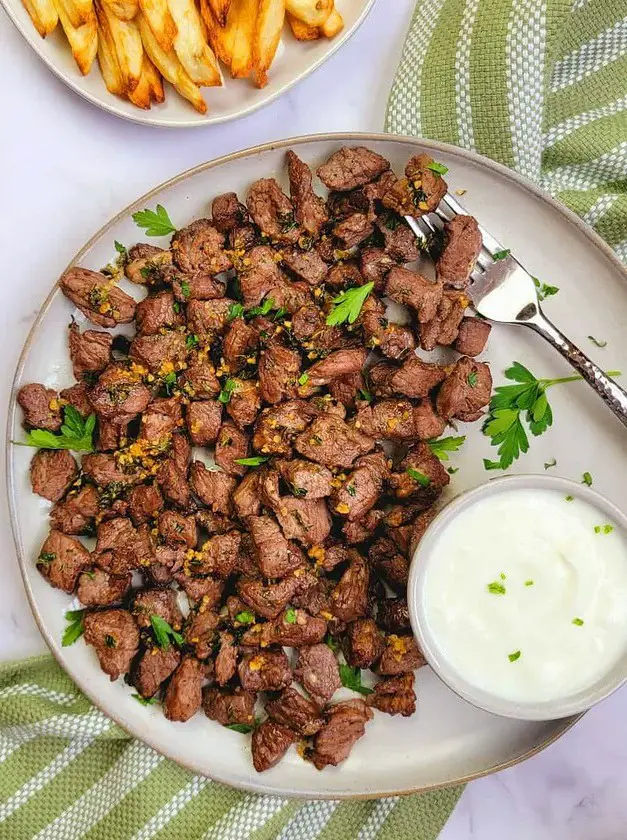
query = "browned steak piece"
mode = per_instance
[
  {"x": 344, "y": 274},
  {"x": 98, "y": 588},
  {"x": 379, "y": 376},
  {"x": 260, "y": 274},
  {"x": 97, "y": 297},
  {"x": 393, "y": 340},
  {"x": 213, "y": 487},
  {"x": 199, "y": 380},
  {"x": 361, "y": 489},
  {"x": 199, "y": 249},
  {"x": 363, "y": 643},
  {"x": 266, "y": 671},
  {"x": 183, "y": 695},
  {"x": 173, "y": 483},
  {"x": 231, "y": 446},
  {"x": 41, "y": 407},
  {"x": 279, "y": 369},
  {"x": 219, "y": 555},
  {"x": 214, "y": 523},
  {"x": 444, "y": 327},
  {"x": 230, "y": 706},
  {"x": 203, "y": 421},
  {"x": 52, "y": 471},
  {"x": 90, "y": 351},
  {"x": 462, "y": 246},
  {"x": 145, "y": 503},
  {"x": 147, "y": 264},
  {"x": 77, "y": 512},
  {"x": 61, "y": 560},
  {"x": 271, "y": 548},
  {"x": 400, "y": 240},
  {"x": 153, "y": 669},
  {"x": 415, "y": 378},
  {"x": 419, "y": 192},
  {"x": 177, "y": 529},
  {"x": 160, "y": 419},
  {"x": 349, "y": 599},
  {"x": 159, "y": 602},
  {"x": 208, "y": 318},
  {"x": 165, "y": 562},
  {"x": 374, "y": 264},
  {"x": 317, "y": 671},
  {"x": 306, "y": 480},
  {"x": 267, "y": 600},
  {"x": 363, "y": 529},
  {"x": 351, "y": 167},
  {"x": 156, "y": 351},
  {"x": 227, "y": 213},
  {"x": 472, "y": 336},
  {"x": 272, "y": 211},
  {"x": 226, "y": 658},
  {"x": 387, "y": 419},
  {"x": 270, "y": 742},
  {"x": 346, "y": 390},
  {"x": 117, "y": 396},
  {"x": 246, "y": 498},
  {"x": 392, "y": 566},
  {"x": 345, "y": 724},
  {"x": 395, "y": 696},
  {"x": 338, "y": 364},
  {"x": 420, "y": 477},
  {"x": 200, "y": 630},
  {"x": 400, "y": 656},
  {"x": 276, "y": 427},
  {"x": 122, "y": 547},
  {"x": 415, "y": 291},
  {"x": 115, "y": 637},
  {"x": 333, "y": 443},
  {"x": 353, "y": 230},
  {"x": 245, "y": 402},
  {"x": 77, "y": 396},
  {"x": 465, "y": 391},
  {"x": 307, "y": 265},
  {"x": 304, "y": 520},
  {"x": 242, "y": 238},
  {"x": 293, "y": 628},
  {"x": 393, "y": 615},
  {"x": 309, "y": 209},
  {"x": 240, "y": 339},
  {"x": 156, "y": 313},
  {"x": 291, "y": 709},
  {"x": 103, "y": 470}
]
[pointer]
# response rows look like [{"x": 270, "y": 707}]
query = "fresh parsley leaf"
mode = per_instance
[
  {"x": 76, "y": 433},
  {"x": 438, "y": 168},
  {"x": 529, "y": 583},
  {"x": 121, "y": 250},
  {"x": 280, "y": 313},
  {"x": 597, "y": 342},
  {"x": 227, "y": 391},
  {"x": 491, "y": 465},
  {"x": 569, "y": 498},
  {"x": 496, "y": 588},
  {"x": 266, "y": 307},
  {"x": 254, "y": 461},
  {"x": 597, "y": 529},
  {"x": 236, "y": 310},
  {"x": 365, "y": 395},
  {"x": 169, "y": 380},
  {"x": 452, "y": 470},
  {"x": 543, "y": 290},
  {"x": 164, "y": 632},
  {"x": 290, "y": 616},
  {"x": 110, "y": 641},
  {"x": 514, "y": 656},
  {"x": 472, "y": 379},
  {"x": 549, "y": 464},
  {"x": 503, "y": 576},
  {"x": 351, "y": 490},
  {"x": 422, "y": 479},
  {"x": 245, "y": 617},
  {"x": 501, "y": 255},
  {"x": 303, "y": 379},
  {"x": 348, "y": 304},
  {"x": 586, "y": 479},
  {"x": 45, "y": 558},
  {"x": 191, "y": 342},
  {"x": 155, "y": 223},
  {"x": 145, "y": 701},
  {"x": 331, "y": 643},
  {"x": 351, "y": 678},
  {"x": 605, "y": 529},
  {"x": 185, "y": 290},
  {"x": 578, "y": 622},
  {"x": 242, "y": 728},
  {"x": 442, "y": 446},
  {"x": 75, "y": 627}
]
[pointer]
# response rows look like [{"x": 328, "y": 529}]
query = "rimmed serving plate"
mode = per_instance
[
  {"x": 447, "y": 741},
  {"x": 236, "y": 98}
]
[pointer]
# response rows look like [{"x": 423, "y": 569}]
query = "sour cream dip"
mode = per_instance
[{"x": 525, "y": 594}]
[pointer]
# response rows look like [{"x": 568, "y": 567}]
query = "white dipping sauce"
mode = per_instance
[{"x": 528, "y": 643}]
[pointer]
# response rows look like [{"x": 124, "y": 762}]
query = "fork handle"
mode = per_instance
[{"x": 614, "y": 396}]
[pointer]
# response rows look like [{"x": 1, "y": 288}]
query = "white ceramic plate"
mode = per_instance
[
  {"x": 447, "y": 740},
  {"x": 294, "y": 61}
]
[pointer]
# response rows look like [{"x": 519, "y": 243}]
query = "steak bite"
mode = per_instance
[
  {"x": 393, "y": 615},
  {"x": 293, "y": 628},
  {"x": 177, "y": 529},
  {"x": 309, "y": 210},
  {"x": 259, "y": 275},
  {"x": 465, "y": 391},
  {"x": 103, "y": 469},
  {"x": 270, "y": 742},
  {"x": 363, "y": 643},
  {"x": 229, "y": 706},
  {"x": 231, "y": 446},
  {"x": 374, "y": 264},
  {"x": 291, "y": 709},
  {"x": 272, "y": 211},
  {"x": 147, "y": 264},
  {"x": 362, "y": 529},
  {"x": 419, "y": 192},
  {"x": 199, "y": 249},
  {"x": 267, "y": 671},
  {"x": 200, "y": 630},
  {"x": 401, "y": 655},
  {"x": 158, "y": 602},
  {"x": 173, "y": 483},
  {"x": 121, "y": 547},
  {"x": 153, "y": 668},
  {"x": 115, "y": 637},
  {"x": 98, "y": 588},
  {"x": 118, "y": 396},
  {"x": 207, "y": 319},
  {"x": 219, "y": 556},
  {"x": 279, "y": 369},
  {"x": 199, "y": 380},
  {"x": 277, "y": 427},
  {"x": 271, "y": 548},
  {"x": 306, "y": 480},
  {"x": 462, "y": 246},
  {"x": 183, "y": 695},
  {"x": 400, "y": 240},
  {"x": 77, "y": 397},
  {"x": 245, "y": 402},
  {"x": 415, "y": 377},
  {"x": 332, "y": 442},
  {"x": 472, "y": 336},
  {"x": 203, "y": 421},
  {"x": 307, "y": 265},
  {"x": 349, "y": 599},
  {"x": 61, "y": 560},
  {"x": 227, "y": 213},
  {"x": 443, "y": 328},
  {"x": 239, "y": 340},
  {"x": 77, "y": 512},
  {"x": 318, "y": 672},
  {"x": 160, "y": 420},
  {"x": 345, "y": 724},
  {"x": 246, "y": 498},
  {"x": 415, "y": 291},
  {"x": 97, "y": 297},
  {"x": 41, "y": 407},
  {"x": 339, "y": 364},
  {"x": 353, "y": 229},
  {"x": 304, "y": 520},
  {"x": 90, "y": 351},
  {"x": 361, "y": 489},
  {"x": 213, "y": 487},
  {"x": 161, "y": 354},
  {"x": 52, "y": 471},
  {"x": 226, "y": 658},
  {"x": 421, "y": 476},
  {"x": 351, "y": 167},
  {"x": 395, "y": 696},
  {"x": 156, "y": 313},
  {"x": 267, "y": 600},
  {"x": 145, "y": 503},
  {"x": 391, "y": 566}
]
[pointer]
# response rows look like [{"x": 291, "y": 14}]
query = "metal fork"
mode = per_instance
[{"x": 503, "y": 290}]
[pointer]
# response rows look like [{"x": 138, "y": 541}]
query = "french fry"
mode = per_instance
[
  {"x": 140, "y": 97},
  {"x": 160, "y": 21},
  {"x": 311, "y": 12},
  {"x": 109, "y": 64},
  {"x": 221, "y": 38},
  {"x": 170, "y": 67},
  {"x": 43, "y": 15},
  {"x": 333, "y": 24},
  {"x": 83, "y": 39},
  {"x": 267, "y": 35},
  {"x": 123, "y": 9},
  {"x": 154, "y": 80},
  {"x": 220, "y": 9},
  {"x": 77, "y": 12},
  {"x": 244, "y": 14},
  {"x": 301, "y": 31},
  {"x": 191, "y": 46},
  {"x": 128, "y": 45}
]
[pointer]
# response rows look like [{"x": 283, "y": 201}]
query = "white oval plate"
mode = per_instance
[
  {"x": 447, "y": 740},
  {"x": 237, "y": 97}
]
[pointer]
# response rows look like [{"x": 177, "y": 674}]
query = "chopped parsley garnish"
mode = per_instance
[
  {"x": 110, "y": 641},
  {"x": 348, "y": 304},
  {"x": 236, "y": 310},
  {"x": 578, "y": 622},
  {"x": 75, "y": 627},
  {"x": 514, "y": 656},
  {"x": 603, "y": 529},
  {"x": 191, "y": 342},
  {"x": 351, "y": 490},
  {"x": 290, "y": 616},
  {"x": 472, "y": 379},
  {"x": 586, "y": 479},
  {"x": 443, "y": 446},
  {"x": 121, "y": 251},
  {"x": 422, "y": 479},
  {"x": 76, "y": 433},
  {"x": 365, "y": 395},
  {"x": 597, "y": 342},
  {"x": 227, "y": 391},
  {"x": 543, "y": 290},
  {"x": 164, "y": 632},
  {"x": 438, "y": 168},
  {"x": 169, "y": 380},
  {"x": 496, "y": 588},
  {"x": 529, "y": 582},
  {"x": 254, "y": 461},
  {"x": 501, "y": 255},
  {"x": 185, "y": 290},
  {"x": 351, "y": 678},
  {"x": 242, "y": 728},
  {"x": 245, "y": 617},
  {"x": 299, "y": 491},
  {"x": 303, "y": 379},
  {"x": 145, "y": 701},
  {"x": 176, "y": 306},
  {"x": 267, "y": 306},
  {"x": 45, "y": 558},
  {"x": 549, "y": 464},
  {"x": 155, "y": 223},
  {"x": 503, "y": 576},
  {"x": 331, "y": 643},
  {"x": 452, "y": 470},
  {"x": 569, "y": 498}
]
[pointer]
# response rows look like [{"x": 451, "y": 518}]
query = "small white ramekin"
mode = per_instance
[{"x": 546, "y": 710}]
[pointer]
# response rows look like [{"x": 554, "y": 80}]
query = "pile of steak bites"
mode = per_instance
[{"x": 300, "y": 537}]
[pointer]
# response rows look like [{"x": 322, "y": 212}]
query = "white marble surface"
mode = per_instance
[{"x": 65, "y": 168}]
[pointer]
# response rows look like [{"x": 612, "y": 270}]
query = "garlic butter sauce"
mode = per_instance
[{"x": 526, "y": 594}]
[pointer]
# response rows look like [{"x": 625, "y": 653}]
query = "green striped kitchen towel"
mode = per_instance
[
  {"x": 539, "y": 85},
  {"x": 68, "y": 772}
]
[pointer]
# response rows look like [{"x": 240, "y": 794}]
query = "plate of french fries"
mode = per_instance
[{"x": 184, "y": 62}]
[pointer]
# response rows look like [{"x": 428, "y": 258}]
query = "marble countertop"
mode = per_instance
[{"x": 65, "y": 168}]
